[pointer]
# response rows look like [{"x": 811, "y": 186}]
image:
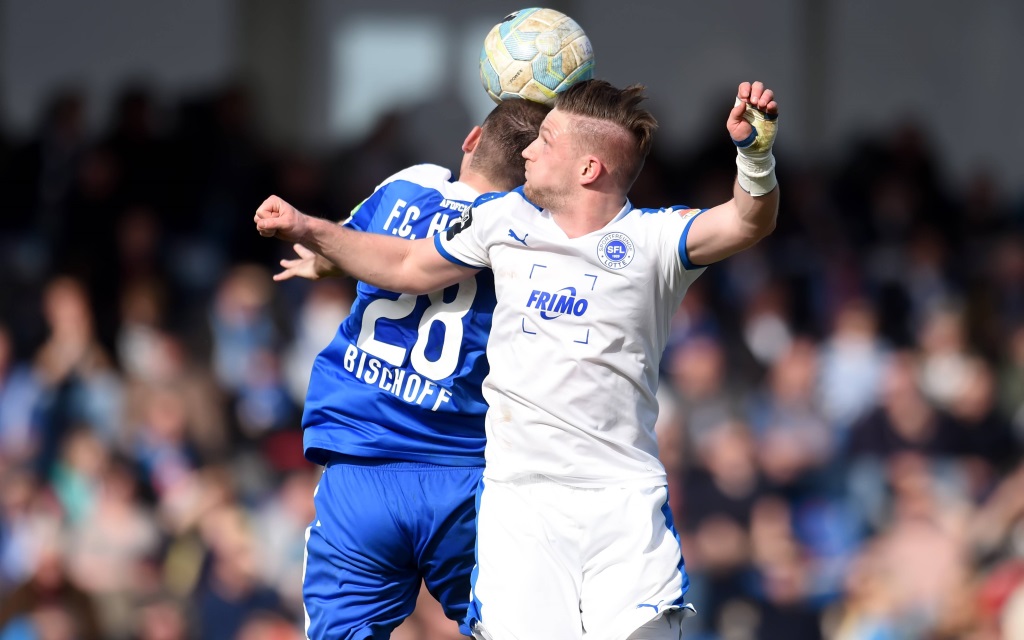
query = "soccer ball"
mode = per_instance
[{"x": 534, "y": 54}]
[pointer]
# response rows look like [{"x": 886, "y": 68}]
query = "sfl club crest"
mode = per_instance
[{"x": 615, "y": 250}]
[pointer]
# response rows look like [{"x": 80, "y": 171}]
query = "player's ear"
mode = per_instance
[
  {"x": 591, "y": 169},
  {"x": 472, "y": 140}
]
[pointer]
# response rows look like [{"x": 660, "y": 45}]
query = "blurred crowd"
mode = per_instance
[{"x": 842, "y": 406}]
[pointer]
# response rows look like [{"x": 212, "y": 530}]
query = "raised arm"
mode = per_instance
[
  {"x": 406, "y": 266},
  {"x": 750, "y": 215}
]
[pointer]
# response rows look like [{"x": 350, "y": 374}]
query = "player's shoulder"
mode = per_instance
[
  {"x": 424, "y": 175},
  {"x": 515, "y": 198},
  {"x": 662, "y": 216},
  {"x": 677, "y": 209},
  {"x": 491, "y": 209}
]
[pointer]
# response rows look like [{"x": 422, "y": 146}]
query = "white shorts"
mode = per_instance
[{"x": 564, "y": 563}]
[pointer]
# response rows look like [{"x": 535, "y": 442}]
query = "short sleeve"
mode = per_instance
[
  {"x": 687, "y": 217},
  {"x": 672, "y": 225},
  {"x": 465, "y": 241}
]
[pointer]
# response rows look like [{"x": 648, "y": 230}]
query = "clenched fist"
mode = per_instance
[{"x": 277, "y": 218}]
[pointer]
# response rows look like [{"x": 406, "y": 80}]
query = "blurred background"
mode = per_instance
[{"x": 842, "y": 406}]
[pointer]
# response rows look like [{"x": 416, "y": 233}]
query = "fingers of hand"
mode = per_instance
[
  {"x": 266, "y": 226},
  {"x": 737, "y": 109},
  {"x": 743, "y": 92},
  {"x": 273, "y": 204},
  {"x": 739, "y": 127},
  {"x": 757, "y": 96},
  {"x": 288, "y": 269},
  {"x": 756, "y": 89},
  {"x": 272, "y": 207}
]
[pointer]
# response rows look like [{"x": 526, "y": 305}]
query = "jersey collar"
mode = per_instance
[
  {"x": 626, "y": 208},
  {"x": 463, "y": 191}
]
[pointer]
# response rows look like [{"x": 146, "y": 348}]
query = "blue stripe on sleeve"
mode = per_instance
[
  {"x": 449, "y": 257},
  {"x": 682, "y": 244}
]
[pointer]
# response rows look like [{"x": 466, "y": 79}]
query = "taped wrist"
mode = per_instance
[{"x": 755, "y": 171}]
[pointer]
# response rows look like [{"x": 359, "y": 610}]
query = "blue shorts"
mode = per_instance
[{"x": 381, "y": 527}]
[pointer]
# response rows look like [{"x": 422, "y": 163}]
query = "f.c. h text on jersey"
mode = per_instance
[
  {"x": 400, "y": 221},
  {"x": 558, "y": 303},
  {"x": 401, "y": 383}
]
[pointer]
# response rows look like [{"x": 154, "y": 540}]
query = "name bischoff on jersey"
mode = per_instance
[{"x": 407, "y": 385}]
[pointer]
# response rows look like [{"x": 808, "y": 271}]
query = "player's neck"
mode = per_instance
[
  {"x": 477, "y": 182},
  {"x": 589, "y": 212}
]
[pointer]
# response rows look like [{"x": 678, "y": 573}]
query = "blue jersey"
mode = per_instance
[{"x": 402, "y": 378}]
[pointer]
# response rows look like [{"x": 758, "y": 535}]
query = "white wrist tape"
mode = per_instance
[
  {"x": 755, "y": 164},
  {"x": 755, "y": 172}
]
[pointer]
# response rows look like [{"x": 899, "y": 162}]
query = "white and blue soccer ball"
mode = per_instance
[{"x": 535, "y": 54}]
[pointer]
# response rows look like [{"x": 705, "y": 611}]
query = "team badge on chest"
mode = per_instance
[{"x": 615, "y": 250}]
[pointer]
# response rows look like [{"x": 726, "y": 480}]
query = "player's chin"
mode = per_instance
[
  {"x": 540, "y": 196},
  {"x": 530, "y": 191}
]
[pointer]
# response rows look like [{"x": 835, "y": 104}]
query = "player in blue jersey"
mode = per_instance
[
  {"x": 575, "y": 538},
  {"x": 394, "y": 409}
]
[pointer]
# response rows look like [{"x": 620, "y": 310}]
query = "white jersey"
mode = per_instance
[{"x": 577, "y": 337}]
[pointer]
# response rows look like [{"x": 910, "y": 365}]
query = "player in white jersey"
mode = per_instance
[{"x": 575, "y": 539}]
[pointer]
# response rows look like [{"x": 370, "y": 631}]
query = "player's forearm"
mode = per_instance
[
  {"x": 380, "y": 260},
  {"x": 369, "y": 257},
  {"x": 756, "y": 215}
]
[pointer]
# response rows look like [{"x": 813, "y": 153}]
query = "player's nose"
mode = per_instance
[{"x": 528, "y": 151}]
